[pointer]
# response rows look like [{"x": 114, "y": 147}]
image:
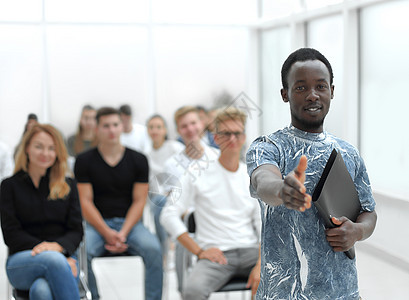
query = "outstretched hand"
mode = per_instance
[{"x": 293, "y": 192}]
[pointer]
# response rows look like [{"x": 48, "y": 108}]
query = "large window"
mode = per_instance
[
  {"x": 326, "y": 35},
  {"x": 384, "y": 108},
  {"x": 275, "y": 47},
  {"x": 21, "y": 78},
  {"x": 193, "y": 65},
  {"x": 156, "y": 55}
]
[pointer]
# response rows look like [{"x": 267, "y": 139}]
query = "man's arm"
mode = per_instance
[
  {"x": 254, "y": 277},
  {"x": 92, "y": 215},
  {"x": 135, "y": 211},
  {"x": 345, "y": 236},
  {"x": 212, "y": 254},
  {"x": 171, "y": 220},
  {"x": 290, "y": 191}
]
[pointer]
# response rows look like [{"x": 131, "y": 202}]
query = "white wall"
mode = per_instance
[{"x": 154, "y": 56}]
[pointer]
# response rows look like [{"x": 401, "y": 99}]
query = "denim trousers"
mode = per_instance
[
  {"x": 46, "y": 275},
  {"x": 156, "y": 204},
  {"x": 141, "y": 242}
]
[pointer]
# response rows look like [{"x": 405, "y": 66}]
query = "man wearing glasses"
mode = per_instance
[{"x": 227, "y": 218}]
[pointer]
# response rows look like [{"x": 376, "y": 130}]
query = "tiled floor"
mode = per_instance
[{"x": 121, "y": 278}]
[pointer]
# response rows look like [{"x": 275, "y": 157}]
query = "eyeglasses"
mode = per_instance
[{"x": 228, "y": 134}]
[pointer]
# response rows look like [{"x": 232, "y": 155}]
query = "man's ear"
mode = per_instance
[
  {"x": 284, "y": 95},
  {"x": 332, "y": 91}
]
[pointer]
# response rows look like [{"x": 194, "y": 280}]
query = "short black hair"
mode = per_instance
[
  {"x": 88, "y": 107},
  {"x": 125, "y": 109},
  {"x": 32, "y": 116},
  {"x": 303, "y": 54},
  {"x": 106, "y": 111}
]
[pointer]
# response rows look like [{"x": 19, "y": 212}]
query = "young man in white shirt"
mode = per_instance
[
  {"x": 196, "y": 155},
  {"x": 134, "y": 136},
  {"x": 227, "y": 219}
]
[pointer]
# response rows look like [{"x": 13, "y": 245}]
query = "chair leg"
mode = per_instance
[
  {"x": 10, "y": 291},
  {"x": 85, "y": 293}
]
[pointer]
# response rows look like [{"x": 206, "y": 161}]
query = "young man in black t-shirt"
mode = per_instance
[{"x": 113, "y": 186}]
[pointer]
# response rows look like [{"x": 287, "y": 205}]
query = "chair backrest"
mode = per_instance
[{"x": 190, "y": 223}]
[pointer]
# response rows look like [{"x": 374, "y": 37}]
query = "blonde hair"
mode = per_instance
[
  {"x": 230, "y": 113},
  {"x": 58, "y": 186},
  {"x": 183, "y": 111}
]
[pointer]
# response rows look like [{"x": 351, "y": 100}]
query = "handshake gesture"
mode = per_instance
[{"x": 293, "y": 192}]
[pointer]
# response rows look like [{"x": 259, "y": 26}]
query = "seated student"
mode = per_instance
[
  {"x": 41, "y": 218},
  {"x": 195, "y": 154},
  {"x": 206, "y": 135},
  {"x": 227, "y": 218},
  {"x": 161, "y": 150},
  {"x": 113, "y": 187},
  {"x": 134, "y": 136},
  {"x": 84, "y": 138},
  {"x": 190, "y": 161}
]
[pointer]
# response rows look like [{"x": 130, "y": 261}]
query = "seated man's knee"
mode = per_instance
[
  {"x": 151, "y": 246},
  {"x": 40, "y": 290},
  {"x": 193, "y": 290},
  {"x": 94, "y": 249},
  {"x": 55, "y": 260}
]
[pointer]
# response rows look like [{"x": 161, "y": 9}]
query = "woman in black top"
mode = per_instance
[{"x": 41, "y": 218}]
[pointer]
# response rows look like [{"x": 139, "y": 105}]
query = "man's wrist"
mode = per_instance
[{"x": 199, "y": 252}]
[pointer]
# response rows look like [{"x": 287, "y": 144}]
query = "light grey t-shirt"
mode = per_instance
[{"x": 297, "y": 260}]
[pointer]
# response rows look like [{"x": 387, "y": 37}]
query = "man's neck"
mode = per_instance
[
  {"x": 111, "y": 153},
  {"x": 128, "y": 128},
  {"x": 315, "y": 129},
  {"x": 230, "y": 161}
]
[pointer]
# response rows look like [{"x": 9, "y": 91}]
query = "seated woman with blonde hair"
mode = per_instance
[{"x": 41, "y": 218}]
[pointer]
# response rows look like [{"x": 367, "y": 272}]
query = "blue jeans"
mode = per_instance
[
  {"x": 47, "y": 275},
  {"x": 157, "y": 202},
  {"x": 141, "y": 242}
]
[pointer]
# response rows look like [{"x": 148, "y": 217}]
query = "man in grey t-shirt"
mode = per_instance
[{"x": 300, "y": 258}]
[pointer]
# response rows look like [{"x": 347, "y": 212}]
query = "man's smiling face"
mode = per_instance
[{"x": 309, "y": 94}]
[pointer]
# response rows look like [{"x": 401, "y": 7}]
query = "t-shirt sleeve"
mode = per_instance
[
  {"x": 176, "y": 205},
  {"x": 142, "y": 175},
  {"x": 261, "y": 152},
  {"x": 81, "y": 169},
  {"x": 363, "y": 187}
]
